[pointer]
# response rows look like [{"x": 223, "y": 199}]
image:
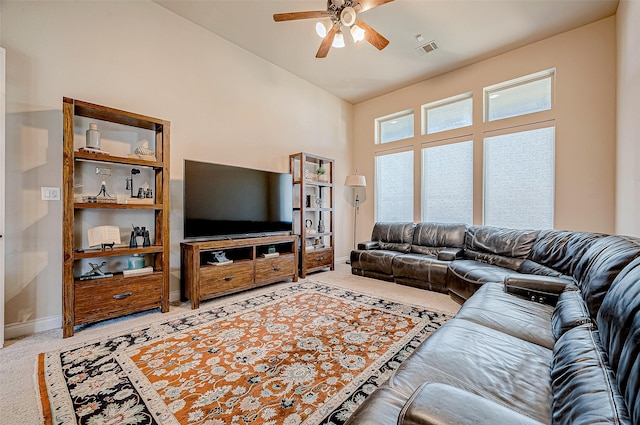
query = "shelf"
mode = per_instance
[
  {"x": 115, "y": 206},
  {"x": 313, "y": 183},
  {"x": 117, "y": 276},
  {"x": 116, "y": 252},
  {"x": 98, "y": 157},
  {"x": 317, "y": 209},
  {"x": 317, "y": 235}
]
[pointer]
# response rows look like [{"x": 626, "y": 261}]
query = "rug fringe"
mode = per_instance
[{"x": 41, "y": 385}]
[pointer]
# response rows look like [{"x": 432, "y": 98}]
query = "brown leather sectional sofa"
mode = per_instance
[{"x": 549, "y": 329}]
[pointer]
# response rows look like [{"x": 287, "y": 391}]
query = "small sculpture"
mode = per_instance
[{"x": 96, "y": 272}]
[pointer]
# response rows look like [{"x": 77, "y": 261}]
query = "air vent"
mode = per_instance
[{"x": 426, "y": 48}]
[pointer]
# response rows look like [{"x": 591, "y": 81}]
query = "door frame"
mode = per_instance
[{"x": 2, "y": 192}]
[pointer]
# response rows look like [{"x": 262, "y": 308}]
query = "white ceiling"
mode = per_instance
[{"x": 465, "y": 31}]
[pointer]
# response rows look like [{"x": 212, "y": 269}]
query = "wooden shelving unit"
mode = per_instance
[
  {"x": 313, "y": 213},
  {"x": 86, "y": 301}
]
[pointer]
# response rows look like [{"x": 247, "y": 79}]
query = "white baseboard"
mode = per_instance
[
  {"x": 15, "y": 330},
  {"x": 342, "y": 260},
  {"x": 174, "y": 296}
]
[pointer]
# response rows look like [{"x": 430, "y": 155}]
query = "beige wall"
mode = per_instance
[
  {"x": 225, "y": 105},
  {"x": 628, "y": 114},
  {"x": 584, "y": 113}
]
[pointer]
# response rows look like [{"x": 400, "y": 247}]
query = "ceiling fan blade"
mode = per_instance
[
  {"x": 292, "y": 16},
  {"x": 326, "y": 42},
  {"x": 373, "y": 36},
  {"x": 370, "y": 4}
]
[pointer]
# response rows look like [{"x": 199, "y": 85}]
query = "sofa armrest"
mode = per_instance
[
  {"x": 440, "y": 404},
  {"x": 450, "y": 254},
  {"x": 369, "y": 245},
  {"x": 543, "y": 289}
]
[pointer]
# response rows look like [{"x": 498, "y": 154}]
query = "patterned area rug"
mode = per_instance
[{"x": 305, "y": 354}]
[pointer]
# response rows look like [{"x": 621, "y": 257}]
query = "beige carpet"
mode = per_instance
[{"x": 19, "y": 403}]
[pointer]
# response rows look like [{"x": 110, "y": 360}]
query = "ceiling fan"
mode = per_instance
[{"x": 341, "y": 13}]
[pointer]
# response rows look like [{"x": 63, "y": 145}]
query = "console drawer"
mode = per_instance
[
  {"x": 102, "y": 299},
  {"x": 275, "y": 269},
  {"x": 216, "y": 280},
  {"x": 319, "y": 258}
]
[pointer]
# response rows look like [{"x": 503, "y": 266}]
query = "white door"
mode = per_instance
[{"x": 2, "y": 168}]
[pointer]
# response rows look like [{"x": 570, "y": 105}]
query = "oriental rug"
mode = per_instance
[{"x": 304, "y": 354}]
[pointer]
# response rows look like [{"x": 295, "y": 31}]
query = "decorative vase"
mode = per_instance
[{"x": 93, "y": 137}]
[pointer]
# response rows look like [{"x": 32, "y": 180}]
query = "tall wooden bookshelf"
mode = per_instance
[
  {"x": 313, "y": 210},
  {"x": 90, "y": 300}
]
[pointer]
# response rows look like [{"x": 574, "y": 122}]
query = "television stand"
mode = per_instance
[{"x": 250, "y": 265}]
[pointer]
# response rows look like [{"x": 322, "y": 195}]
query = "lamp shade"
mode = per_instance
[{"x": 355, "y": 180}]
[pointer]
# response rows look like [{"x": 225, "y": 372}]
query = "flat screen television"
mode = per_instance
[{"x": 225, "y": 201}]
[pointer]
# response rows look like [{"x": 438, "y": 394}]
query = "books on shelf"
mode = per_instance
[
  {"x": 270, "y": 255},
  {"x": 103, "y": 235},
  {"x": 139, "y": 201},
  {"x": 138, "y": 272}
]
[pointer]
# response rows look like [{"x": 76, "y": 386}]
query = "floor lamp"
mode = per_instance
[{"x": 355, "y": 181}]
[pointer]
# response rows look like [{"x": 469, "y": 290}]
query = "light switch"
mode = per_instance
[{"x": 50, "y": 193}]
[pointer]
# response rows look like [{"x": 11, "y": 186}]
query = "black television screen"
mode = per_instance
[{"x": 224, "y": 201}]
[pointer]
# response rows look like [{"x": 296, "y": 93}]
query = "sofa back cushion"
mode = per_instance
[
  {"x": 431, "y": 238},
  {"x": 560, "y": 250},
  {"x": 585, "y": 390},
  {"x": 393, "y": 236},
  {"x": 618, "y": 322},
  {"x": 503, "y": 247},
  {"x": 600, "y": 265}
]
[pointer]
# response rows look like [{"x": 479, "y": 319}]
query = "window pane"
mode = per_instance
[
  {"x": 447, "y": 183},
  {"x": 394, "y": 187},
  {"x": 519, "y": 179},
  {"x": 449, "y": 116},
  {"x": 521, "y": 99},
  {"x": 396, "y": 128}
]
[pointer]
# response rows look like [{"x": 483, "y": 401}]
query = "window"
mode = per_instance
[
  {"x": 519, "y": 97},
  {"x": 394, "y": 186},
  {"x": 519, "y": 179},
  {"x": 447, "y": 183},
  {"x": 395, "y": 127},
  {"x": 447, "y": 114}
]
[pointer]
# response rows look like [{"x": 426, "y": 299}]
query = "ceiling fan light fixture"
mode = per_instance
[
  {"x": 357, "y": 33},
  {"x": 348, "y": 16},
  {"x": 338, "y": 40},
  {"x": 321, "y": 30}
]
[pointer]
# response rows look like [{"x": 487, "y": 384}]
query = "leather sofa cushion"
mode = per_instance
[
  {"x": 570, "y": 311},
  {"x": 401, "y": 233},
  {"x": 439, "y": 404},
  {"x": 429, "y": 238},
  {"x": 391, "y": 246},
  {"x": 493, "y": 259},
  {"x": 383, "y": 406},
  {"x": 464, "y": 277},
  {"x": 619, "y": 326},
  {"x": 560, "y": 250},
  {"x": 376, "y": 260},
  {"x": 420, "y": 267},
  {"x": 531, "y": 267},
  {"x": 600, "y": 265},
  {"x": 505, "y": 242},
  {"x": 584, "y": 386},
  {"x": 490, "y": 306},
  {"x": 485, "y": 362}
]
